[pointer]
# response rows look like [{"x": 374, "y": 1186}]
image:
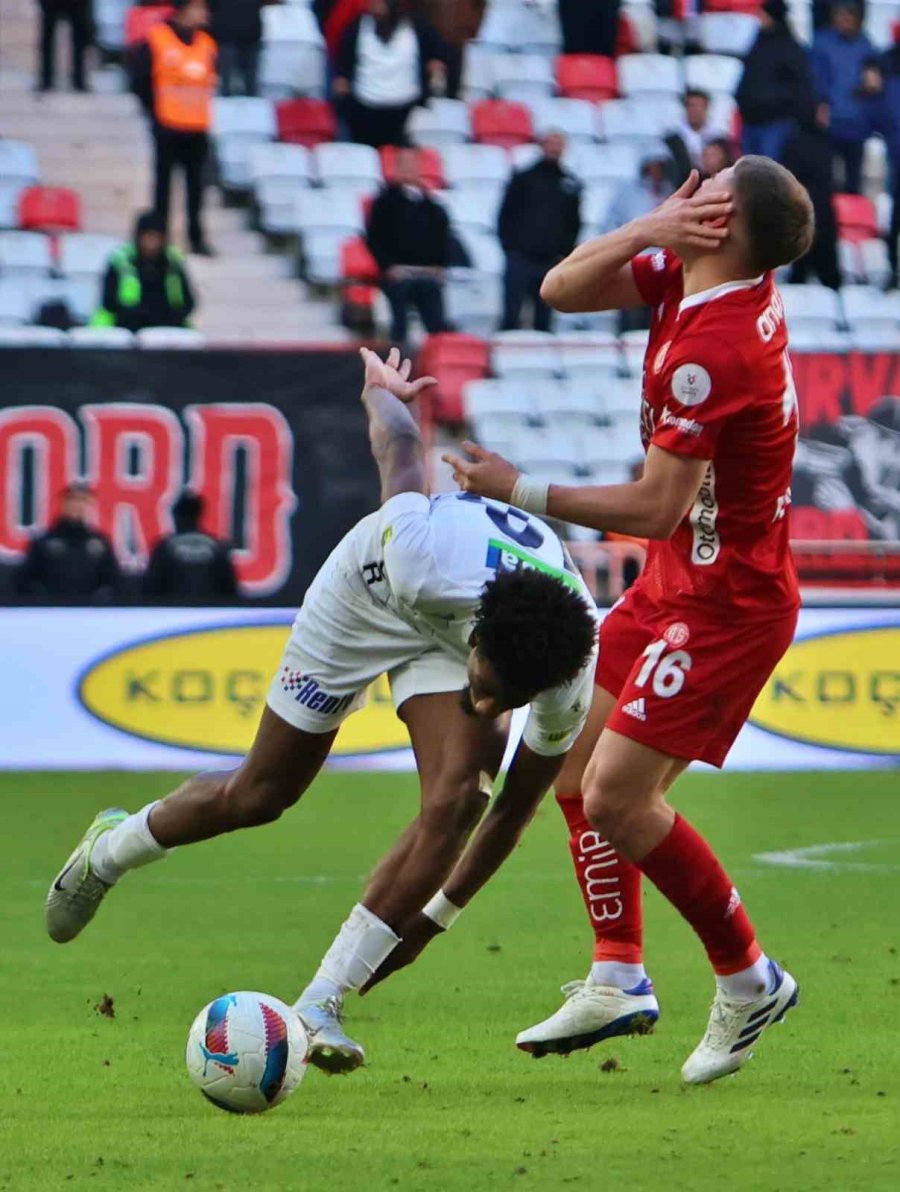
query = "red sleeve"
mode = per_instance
[
  {"x": 704, "y": 387},
  {"x": 655, "y": 273}
]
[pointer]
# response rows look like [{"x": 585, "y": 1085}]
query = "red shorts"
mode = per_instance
[{"x": 684, "y": 685}]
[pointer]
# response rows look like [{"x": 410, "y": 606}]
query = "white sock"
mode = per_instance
[
  {"x": 360, "y": 946},
  {"x": 749, "y": 984},
  {"x": 126, "y": 846},
  {"x": 611, "y": 972}
]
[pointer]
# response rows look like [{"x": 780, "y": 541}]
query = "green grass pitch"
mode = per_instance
[{"x": 447, "y": 1102}]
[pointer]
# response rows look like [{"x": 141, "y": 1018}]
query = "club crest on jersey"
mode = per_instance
[
  {"x": 691, "y": 384},
  {"x": 677, "y": 634},
  {"x": 661, "y": 356}
]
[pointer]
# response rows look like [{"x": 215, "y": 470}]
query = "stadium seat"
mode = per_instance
[
  {"x": 472, "y": 209},
  {"x": 713, "y": 72},
  {"x": 622, "y": 397},
  {"x": 357, "y": 262},
  {"x": 571, "y": 405},
  {"x": 525, "y": 353},
  {"x": 293, "y": 52},
  {"x": 586, "y": 355},
  {"x": 811, "y": 304},
  {"x": 878, "y": 338},
  {"x": 349, "y": 167},
  {"x": 649, "y": 74},
  {"x": 276, "y": 199},
  {"x": 814, "y": 337},
  {"x": 876, "y": 267},
  {"x": 483, "y": 250},
  {"x": 473, "y": 300},
  {"x": 244, "y": 116},
  {"x": 880, "y": 18},
  {"x": 85, "y": 256},
  {"x": 856, "y": 217},
  {"x": 15, "y": 304},
  {"x": 18, "y": 164},
  {"x": 307, "y": 122},
  {"x": 522, "y": 157},
  {"x": 617, "y": 444},
  {"x": 442, "y": 122},
  {"x": 515, "y": 27},
  {"x": 33, "y": 337},
  {"x": 576, "y": 118},
  {"x": 10, "y": 192},
  {"x": 498, "y": 400},
  {"x": 140, "y": 20},
  {"x": 101, "y": 337},
  {"x": 866, "y": 306},
  {"x": 170, "y": 337},
  {"x": 475, "y": 166},
  {"x": 454, "y": 359},
  {"x": 478, "y": 72},
  {"x": 430, "y": 166},
  {"x": 25, "y": 254},
  {"x": 49, "y": 209},
  {"x": 271, "y": 159},
  {"x": 604, "y": 164},
  {"x": 728, "y": 32},
  {"x": 639, "y": 118},
  {"x": 80, "y": 296},
  {"x": 332, "y": 211},
  {"x": 109, "y": 24},
  {"x": 586, "y": 76},
  {"x": 523, "y": 77},
  {"x": 496, "y": 122}
]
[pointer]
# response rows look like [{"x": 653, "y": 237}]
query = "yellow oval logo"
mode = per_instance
[
  {"x": 205, "y": 689},
  {"x": 839, "y": 690}
]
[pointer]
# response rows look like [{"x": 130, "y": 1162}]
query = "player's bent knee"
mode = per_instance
[
  {"x": 251, "y": 802},
  {"x": 611, "y": 803},
  {"x": 455, "y": 807}
]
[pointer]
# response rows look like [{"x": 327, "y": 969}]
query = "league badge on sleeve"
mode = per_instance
[{"x": 691, "y": 384}]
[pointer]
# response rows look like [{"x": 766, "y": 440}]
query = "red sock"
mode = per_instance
[
  {"x": 610, "y": 887},
  {"x": 685, "y": 870}
]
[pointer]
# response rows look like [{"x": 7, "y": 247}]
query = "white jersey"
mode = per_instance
[{"x": 427, "y": 559}]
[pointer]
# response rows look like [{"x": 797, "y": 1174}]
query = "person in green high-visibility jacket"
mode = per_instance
[{"x": 146, "y": 283}]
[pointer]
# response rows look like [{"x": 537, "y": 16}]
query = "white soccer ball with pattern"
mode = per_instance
[{"x": 246, "y": 1052}]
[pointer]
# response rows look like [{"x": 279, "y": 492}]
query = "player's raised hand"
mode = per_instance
[
  {"x": 393, "y": 374},
  {"x": 486, "y": 473},
  {"x": 694, "y": 217}
]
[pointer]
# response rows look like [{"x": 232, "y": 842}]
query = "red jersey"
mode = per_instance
[{"x": 718, "y": 386}]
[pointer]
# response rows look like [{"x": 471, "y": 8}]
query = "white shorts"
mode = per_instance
[{"x": 342, "y": 640}]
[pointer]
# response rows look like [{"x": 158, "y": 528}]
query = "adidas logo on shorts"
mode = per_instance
[{"x": 636, "y": 709}]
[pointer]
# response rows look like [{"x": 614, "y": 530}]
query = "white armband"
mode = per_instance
[
  {"x": 530, "y": 495},
  {"x": 440, "y": 910}
]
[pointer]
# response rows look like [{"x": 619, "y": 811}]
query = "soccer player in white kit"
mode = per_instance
[{"x": 472, "y": 608}]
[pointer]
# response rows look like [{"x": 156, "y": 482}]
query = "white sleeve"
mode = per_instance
[
  {"x": 557, "y": 717},
  {"x": 407, "y": 539}
]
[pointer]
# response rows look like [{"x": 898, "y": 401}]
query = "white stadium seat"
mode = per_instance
[
  {"x": 876, "y": 339},
  {"x": 523, "y": 77},
  {"x": 478, "y": 72},
  {"x": 525, "y": 353},
  {"x": 497, "y": 400},
  {"x": 604, "y": 164},
  {"x": 101, "y": 337},
  {"x": 575, "y": 118},
  {"x": 15, "y": 304},
  {"x": 325, "y": 210},
  {"x": 713, "y": 72},
  {"x": 293, "y": 52},
  {"x": 471, "y": 209},
  {"x": 33, "y": 337},
  {"x": 272, "y": 159},
  {"x": 534, "y": 28},
  {"x": 475, "y": 166},
  {"x": 585, "y": 355},
  {"x": 876, "y": 267},
  {"x": 444, "y": 122},
  {"x": 866, "y": 306},
  {"x": 595, "y": 204},
  {"x": 728, "y": 32},
  {"x": 522, "y": 157},
  {"x": 19, "y": 163},
  {"x": 170, "y": 337},
  {"x": 352, "y": 167},
  {"x": 473, "y": 300},
  {"x": 25, "y": 254},
  {"x": 244, "y": 116},
  {"x": 484, "y": 251},
  {"x": 649, "y": 74},
  {"x": 85, "y": 255},
  {"x": 639, "y": 118},
  {"x": 81, "y": 296},
  {"x": 571, "y": 405},
  {"x": 811, "y": 303},
  {"x": 9, "y": 203},
  {"x": 276, "y": 199}
]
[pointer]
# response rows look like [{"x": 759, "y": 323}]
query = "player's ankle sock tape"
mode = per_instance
[
  {"x": 359, "y": 948},
  {"x": 127, "y": 846}
]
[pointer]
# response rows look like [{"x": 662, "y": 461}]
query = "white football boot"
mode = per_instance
[
  {"x": 734, "y": 1026},
  {"x": 77, "y": 891},
  {"x": 329, "y": 1047},
  {"x": 590, "y": 1014}
]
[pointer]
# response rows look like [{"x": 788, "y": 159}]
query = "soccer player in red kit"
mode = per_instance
[{"x": 685, "y": 653}]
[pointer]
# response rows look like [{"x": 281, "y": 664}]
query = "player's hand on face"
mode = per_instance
[
  {"x": 415, "y": 935},
  {"x": 486, "y": 473},
  {"x": 693, "y": 218},
  {"x": 393, "y": 374}
]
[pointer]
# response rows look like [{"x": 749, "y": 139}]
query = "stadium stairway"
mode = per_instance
[{"x": 97, "y": 144}]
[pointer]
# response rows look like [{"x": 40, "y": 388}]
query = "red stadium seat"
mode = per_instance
[
  {"x": 751, "y": 7},
  {"x": 497, "y": 122},
  {"x": 308, "y": 122},
  {"x": 357, "y": 263},
  {"x": 430, "y": 166},
  {"x": 454, "y": 359},
  {"x": 627, "y": 40},
  {"x": 856, "y": 217},
  {"x": 139, "y": 22},
  {"x": 586, "y": 76},
  {"x": 49, "y": 209}
]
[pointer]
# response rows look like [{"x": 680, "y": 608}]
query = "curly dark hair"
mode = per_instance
[{"x": 535, "y": 631}]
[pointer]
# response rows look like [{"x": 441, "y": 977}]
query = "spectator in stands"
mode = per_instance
[
  {"x": 890, "y": 128},
  {"x": 718, "y": 154},
  {"x": 456, "y": 23},
  {"x": 538, "y": 225},
  {"x": 589, "y": 28},
  {"x": 145, "y": 284},
  {"x": 807, "y": 154},
  {"x": 648, "y": 190},
  {"x": 387, "y": 65},
  {"x": 775, "y": 90},
  {"x": 678, "y": 26},
  {"x": 822, "y": 10},
  {"x": 173, "y": 74},
  {"x": 409, "y": 236},
  {"x": 78, "y": 15},
  {"x": 237, "y": 29},
  {"x": 685, "y": 142},
  {"x": 190, "y": 565},
  {"x": 846, "y": 81},
  {"x": 71, "y": 561}
]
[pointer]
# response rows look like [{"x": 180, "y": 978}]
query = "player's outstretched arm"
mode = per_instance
[
  {"x": 597, "y": 275},
  {"x": 651, "y": 507},
  {"x": 393, "y": 432},
  {"x": 530, "y": 777}
]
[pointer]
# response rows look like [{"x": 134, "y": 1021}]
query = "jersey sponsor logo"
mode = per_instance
[
  {"x": 502, "y": 556},
  {"x": 636, "y": 708},
  {"x": 677, "y": 634},
  {"x": 687, "y": 426},
  {"x": 691, "y": 384},
  {"x": 838, "y": 690},
  {"x": 704, "y": 517},
  {"x": 204, "y": 688}
]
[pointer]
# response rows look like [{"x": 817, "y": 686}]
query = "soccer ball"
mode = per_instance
[{"x": 246, "y": 1052}]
